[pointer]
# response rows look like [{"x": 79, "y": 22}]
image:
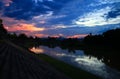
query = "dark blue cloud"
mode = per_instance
[
  {"x": 1, "y": 4},
  {"x": 55, "y": 5},
  {"x": 26, "y": 9},
  {"x": 23, "y": 9},
  {"x": 62, "y": 1},
  {"x": 115, "y": 12}
]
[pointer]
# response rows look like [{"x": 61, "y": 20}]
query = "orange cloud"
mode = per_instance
[
  {"x": 19, "y": 25},
  {"x": 77, "y": 36},
  {"x": 25, "y": 27},
  {"x": 41, "y": 35}
]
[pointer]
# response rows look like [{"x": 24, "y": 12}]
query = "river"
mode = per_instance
[{"x": 97, "y": 65}]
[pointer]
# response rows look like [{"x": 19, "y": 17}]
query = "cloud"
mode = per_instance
[
  {"x": 40, "y": 35},
  {"x": 50, "y": 0},
  {"x": 19, "y": 9},
  {"x": 55, "y": 17},
  {"x": 58, "y": 26},
  {"x": 114, "y": 13},
  {"x": 73, "y": 10},
  {"x": 108, "y": 1},
  {"x": 42, "y": 17},
  {"x": 6, "y": 2},
  {"x": 97, "y": 18},
  {"x": 47, "y": 20},
  {"x": 25, "y": 27},
  {"x": 36, "y": 1},
  {"x": 77, "y": 36},
  {"x": 103, "y": 2}
]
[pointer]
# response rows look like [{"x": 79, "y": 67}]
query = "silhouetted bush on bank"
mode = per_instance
[
  {"x": 110, "y": 38},
  {"x": 3, "y": 31}
]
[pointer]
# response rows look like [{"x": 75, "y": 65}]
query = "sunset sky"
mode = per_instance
[{"x": 67, "y": 18}]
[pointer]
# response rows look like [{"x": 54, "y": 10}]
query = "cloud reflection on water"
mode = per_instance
[{"x": 79, "y": 59}]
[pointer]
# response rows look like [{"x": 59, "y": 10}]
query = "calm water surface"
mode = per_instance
[{"x": 79, "y": 59}]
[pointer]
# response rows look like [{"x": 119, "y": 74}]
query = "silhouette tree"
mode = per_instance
[
  {"x": 3, "y": 31},
  {"x": 110, "y": 38}
]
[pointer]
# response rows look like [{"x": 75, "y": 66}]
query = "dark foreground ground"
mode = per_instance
[{"x": 17, "y": 63}]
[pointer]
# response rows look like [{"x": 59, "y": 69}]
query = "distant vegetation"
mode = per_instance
[{"x": 109, "y": 39}]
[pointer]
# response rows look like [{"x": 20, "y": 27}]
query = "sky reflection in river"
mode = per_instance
[
  {"x": 79, "y": 59},
  {"x": 37, "y": 50}
]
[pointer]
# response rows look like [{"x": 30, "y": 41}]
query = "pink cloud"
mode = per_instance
[
  {"x": 41, "y": 35},
  {"x": 25, "y": 27},
  {"x": 7, "y": 2},
  {"x": 77, "y": 36}
]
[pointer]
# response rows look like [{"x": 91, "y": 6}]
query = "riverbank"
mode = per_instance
[
  {"x": 18, "y": 63},
  {"x": 69, "y": 70}
]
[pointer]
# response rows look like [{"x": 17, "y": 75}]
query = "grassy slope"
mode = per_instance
[{"x": 71, "y": 71}]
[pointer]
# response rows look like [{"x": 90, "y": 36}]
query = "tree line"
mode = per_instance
[{"x": 108, "y": 39}]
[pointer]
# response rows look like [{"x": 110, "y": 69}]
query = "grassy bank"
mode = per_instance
[{"x": 71, "y": 71}]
